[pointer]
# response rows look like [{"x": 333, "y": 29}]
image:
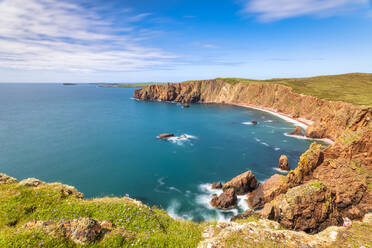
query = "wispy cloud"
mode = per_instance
[
  {"x": 55, "y": 35},
  {"x": 271, "y": 10}
]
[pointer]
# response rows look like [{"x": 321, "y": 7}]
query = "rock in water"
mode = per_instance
[
  {"x": 242, "y": 184},
  {"x": 283, "y": 163},
  {"x": 228, "y": 199},
  {"x": 165, "y": 135},
  {"x": 254, "y": 122},
  {"x": 186, "y": 105},
  {"x": 217, "y": 185},
  {"x": 297, "y": 131}
]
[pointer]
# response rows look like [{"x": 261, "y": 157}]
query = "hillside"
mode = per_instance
[{"x": 354, "y": 88}]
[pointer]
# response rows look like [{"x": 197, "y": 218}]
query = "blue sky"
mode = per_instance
[{"x": 175, "y": 40}]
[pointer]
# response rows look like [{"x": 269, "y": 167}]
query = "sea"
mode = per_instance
[{"x": 104, "y": 142}]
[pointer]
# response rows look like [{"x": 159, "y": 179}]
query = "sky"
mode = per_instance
[{"x": 176, "y": 40}]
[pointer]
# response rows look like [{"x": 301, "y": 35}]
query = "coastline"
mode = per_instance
[{"x": 303, "y": 123}]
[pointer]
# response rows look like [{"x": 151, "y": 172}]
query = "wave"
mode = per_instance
[
  {"x": 325, "y": 140},
  {"x": 175, "y": 189},
  {"x": 180, "y": 140},
  {"x": 269, "y": 121},
  {"x": 276, "y": 148},
  {"x": 280, "y": 170},
  {"x": 247, "y": 123}
]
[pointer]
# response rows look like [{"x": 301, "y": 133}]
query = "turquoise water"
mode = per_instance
[{"x": 104, "y": 143}]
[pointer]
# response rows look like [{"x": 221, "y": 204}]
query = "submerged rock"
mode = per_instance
[
  {"x": 228, "y": 199},
  {"x": 244, "y": 183},
  {"x": 217, "y": 185},
  {"x": 297, "y": 131},
  {"x": 283, "y": 163},
  {"x": 165, "y": 135}
]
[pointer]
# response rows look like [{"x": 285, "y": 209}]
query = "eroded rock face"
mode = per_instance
[
  {"x": 83, "y": 230},
  {"x": 283, "y": 163},
  {"x": 244, "y": 183},
  {"x": 309, "y": 207},
  {"x": 5, "y": 179},
  {"x": 228, "y": 199},
  {"x": 217, "y": 185},
  {"x": 267, "y": 191},
  {"x": 31, "y": 182}
]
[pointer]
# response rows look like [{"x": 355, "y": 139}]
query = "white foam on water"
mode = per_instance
[
  {"x": 265, "y": 144},
  {"x": 180, "y": 140},
  {"x": 242, "y": 203},
  {"x": 269, "y": 121},
  {"x": 276, "y": 148},
  {"x": 175, "y": 189},
  {"x": 280, "y": 170},
  {"x": 247, "y": 123},
  {"x": 325, "y": 140}
]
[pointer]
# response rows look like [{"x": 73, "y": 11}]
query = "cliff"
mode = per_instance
[
  {"x": 327, "y": 119},
  {"x": 328, "y": 184}
]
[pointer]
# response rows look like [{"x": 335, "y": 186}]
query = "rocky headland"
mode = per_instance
[{"x": 329, "y": 184}]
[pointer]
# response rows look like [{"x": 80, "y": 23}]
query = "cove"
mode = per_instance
[{"x": 103, "y": 142}]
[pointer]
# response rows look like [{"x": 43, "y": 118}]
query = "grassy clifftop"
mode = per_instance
[
  {"x": 36, "y": 214},
  {"x": 354, "y": 88}
]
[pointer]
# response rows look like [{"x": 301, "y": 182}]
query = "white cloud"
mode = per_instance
[
  {"x": 55, "y": 35},
  {"x": 271, "y": 10}
]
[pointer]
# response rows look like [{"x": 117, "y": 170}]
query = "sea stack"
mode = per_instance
[
  {"x": 244, "y": 183},
  {"x": 283, "y": 163},
  {"x": 297, "y": 131}
]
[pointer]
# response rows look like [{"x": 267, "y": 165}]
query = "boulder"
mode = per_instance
[
  {"x": 309, "y": 207},
  {"x": 31, "y": 182},
  {"x": 254, "y": 122},
  {"x": 244, "y": 183},
  {"x": 5, "y": 179},
  {"x": 297, "y": 131},
  {"x": 283, "y": 163},
  {"x": 81, "y": 231},
  {"x": 217, "y": 185},
  {"x": 267, "y": 191},
  {"x": 227, "y": 200},
  {"x": 165, "y": 135},
  {"x": 186, "y": 105},
  {"x": 315, "y": 132}
]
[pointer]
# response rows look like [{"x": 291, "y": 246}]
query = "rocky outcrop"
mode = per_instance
[
  {"x": 242, "y": 184},
  {"x": 31, "y": 182},
  {"x": 217, "y": 185},
  {"x": 283, "y": 163},
  {"x": 309, "y": 207},
  {"x": 267, "y": 191},
  {"x": 83, "y": 230},
  {"x": 227, "y": 200},
  {"x": 329, "y": 118},
  {"x": 5, "y": 179}
]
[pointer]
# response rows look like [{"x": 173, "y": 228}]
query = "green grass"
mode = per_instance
[
  {"x": 147, "y": 226},
  {"x": 354, "y": 88}
]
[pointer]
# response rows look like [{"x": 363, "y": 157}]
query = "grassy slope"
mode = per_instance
[
  {"x": 145, "y": 226},
  {"x": 355, "y": 88}
]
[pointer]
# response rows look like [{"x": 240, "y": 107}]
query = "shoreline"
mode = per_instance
[{"x": 303, "y": 123}]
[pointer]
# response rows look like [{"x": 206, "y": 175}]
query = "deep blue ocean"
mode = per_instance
[{"x": 103, "y": 142}]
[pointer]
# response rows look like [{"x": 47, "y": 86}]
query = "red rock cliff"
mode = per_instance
[{"x": 328, "y": 118}]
